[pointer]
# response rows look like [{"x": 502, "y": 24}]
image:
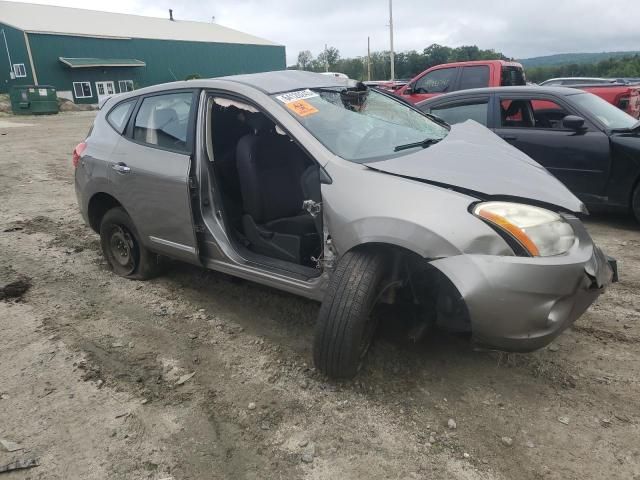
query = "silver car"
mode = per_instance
[{"x": 345, "y": 195}]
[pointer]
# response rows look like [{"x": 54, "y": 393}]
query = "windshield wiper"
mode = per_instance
[
  {"x": 437, "y": 119},
  {"x": 424, "y": 144}
]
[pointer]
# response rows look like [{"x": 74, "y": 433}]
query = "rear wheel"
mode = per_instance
[
  {"x": 345, "y": 327},
  {"x": 635, "y": 202},
  {"x": 122, "y": 249}
]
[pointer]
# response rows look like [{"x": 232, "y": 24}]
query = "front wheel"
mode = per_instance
[
  {"x": 635, "y": 202},
  {"x": 345, "y": 326},
  {"x": 122, "y": 249}
]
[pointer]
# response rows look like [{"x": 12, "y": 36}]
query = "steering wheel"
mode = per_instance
[{"x": 376, "y": 133}]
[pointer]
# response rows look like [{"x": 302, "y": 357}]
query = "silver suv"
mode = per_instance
[{"x": 343, "y": 194}]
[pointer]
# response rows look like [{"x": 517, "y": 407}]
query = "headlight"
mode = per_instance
[{"x": 541, "y": 232}]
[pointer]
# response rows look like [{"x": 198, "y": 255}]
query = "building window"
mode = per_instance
[
  {"x": 19, "y": 71},
  {"x": 82, "y": 89},
  {"x": 125, "y": 86}
]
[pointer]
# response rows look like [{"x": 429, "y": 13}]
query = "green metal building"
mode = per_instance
[{"x": 87, "y": 55}]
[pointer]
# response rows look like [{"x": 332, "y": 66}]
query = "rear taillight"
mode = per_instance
[{"x": 77, "y": 153}]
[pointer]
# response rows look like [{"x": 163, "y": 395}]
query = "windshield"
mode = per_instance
[
  {"x": 612, "y": 117},
  {"x": 361, "y": 125}
]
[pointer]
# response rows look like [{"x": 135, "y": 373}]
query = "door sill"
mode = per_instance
[
  {"x": 263, "y": 262},
  {"x": 295, "y": 283}
]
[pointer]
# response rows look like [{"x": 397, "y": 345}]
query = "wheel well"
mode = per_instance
[
  {"x": 419, "y": 282},
  {"x": 394, "y": 253},
  {"x": 100, "y": 204}
]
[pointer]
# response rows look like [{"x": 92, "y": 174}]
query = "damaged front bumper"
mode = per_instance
[{"x": 521, "y": 304}]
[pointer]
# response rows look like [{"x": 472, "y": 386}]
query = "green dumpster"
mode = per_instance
[{"x": 33, "y": 100}]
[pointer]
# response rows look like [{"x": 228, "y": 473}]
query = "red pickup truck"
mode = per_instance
[
  {"x": 450, "y": 77},
  {"x": 625, "y": 97}
]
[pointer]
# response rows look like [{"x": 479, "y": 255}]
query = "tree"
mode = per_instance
[
  {"x": 436, "y": 54},
  {"x": 304, "y": 60},
  {"x": 407, "y": 64},
  {"x": 610, "y": 68},
  {"x": 466, "y": 53},
  {"x": 380, "y": 65},
  {"x": 328, "y": 57},
  {"x": 355, "y": 68}
]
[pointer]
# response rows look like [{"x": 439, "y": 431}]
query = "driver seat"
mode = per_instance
[{"x": 270, "y": 170}]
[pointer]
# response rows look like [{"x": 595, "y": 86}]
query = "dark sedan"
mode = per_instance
[{"x": 587, "y": 143}]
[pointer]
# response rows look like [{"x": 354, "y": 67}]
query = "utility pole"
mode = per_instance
[
  {"x": 369, "y": 58},
  {"x": 326, "y": 59},
  {"x": 392, "y": 55}
]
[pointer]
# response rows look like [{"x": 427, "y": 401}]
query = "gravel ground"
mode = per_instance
[{"x": 95, "y": 370}]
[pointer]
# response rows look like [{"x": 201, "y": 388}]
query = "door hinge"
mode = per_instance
[
  {"x": 192, "y": 183},
  {"x": 199, "y": 228}
]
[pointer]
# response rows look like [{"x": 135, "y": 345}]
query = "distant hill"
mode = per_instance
[{"x": 570, "y": 58}]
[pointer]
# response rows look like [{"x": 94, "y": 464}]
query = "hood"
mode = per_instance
[{"x": 475, "y": 160}]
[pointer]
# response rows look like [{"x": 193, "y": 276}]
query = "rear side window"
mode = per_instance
[
  {"x": 163, "y": 121},
  {"x": 474, "y": 77},
  {"x": 438, "y": 81},
  {"x": 472, "y": 110},
  {"x": 513, "y": 76},
  {"x": 119, "y": 115}
]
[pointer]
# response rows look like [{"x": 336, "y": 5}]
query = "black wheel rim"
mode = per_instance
[{"x": 122, "y": 250}]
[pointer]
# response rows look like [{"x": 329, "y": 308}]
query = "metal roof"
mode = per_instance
[
  {"x": 49, "y": 19},
  {"x": 101, "y": 62}
]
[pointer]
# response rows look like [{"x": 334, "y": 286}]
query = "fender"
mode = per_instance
[{"x": 429, "y": 220}]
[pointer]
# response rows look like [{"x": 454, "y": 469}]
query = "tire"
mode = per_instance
[
  {"x": 345, "y": 328},
  {"x": 122, "y": 249},
  {"x": 635, "y": 202}
]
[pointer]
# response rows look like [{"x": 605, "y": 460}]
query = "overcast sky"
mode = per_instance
[{"x": 518, "y": 28}]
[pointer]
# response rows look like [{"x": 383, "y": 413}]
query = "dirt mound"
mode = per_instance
[
  {"x": 5, "y": 104},
  {"x": 66, "y": 105}
]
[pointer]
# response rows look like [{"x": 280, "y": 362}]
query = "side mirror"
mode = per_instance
[
  {"x": 409, "y": 89},
  {"x": 573, "y": 122}
]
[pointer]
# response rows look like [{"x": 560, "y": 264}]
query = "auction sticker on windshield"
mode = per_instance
[
  {"x": 302, "y": 108},
  {"x": 298, "y": 95}
]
